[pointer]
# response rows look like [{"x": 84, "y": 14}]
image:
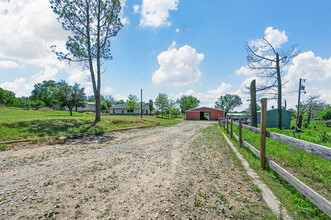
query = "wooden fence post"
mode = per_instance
[
  {"x": 231, "y": 130},
  {"x": 263, "y": 132},
  {"x": 240, "y": 133},
  {"x": 227, "y": 125}
]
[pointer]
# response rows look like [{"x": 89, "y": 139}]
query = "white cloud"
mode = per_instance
[
  {"x": 310, "y": 67},
  {"x": 48, "y": 74},
  {"x": 207, "y": 98},
  {"x": 178, "y": 67},
  {"x": 107, "y": 90},
  {"x": 29, "y": 27},
  {"x": 19, "y": 86},
  {"x": 8, "y": 64},
  {"x": 177, "y": 30},
  {"x": 136, "y": 8},
  {"x": 155, "y": 13},
  {"x": 275, "y": 37},
  {"x": 124, "y": 20},
  {"x": 244, "y": 70}
]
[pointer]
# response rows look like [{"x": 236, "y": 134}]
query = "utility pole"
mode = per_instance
[
  {"x": 301, "y": 87},
  {"x": 299, "y": 116},
  {"x": 141, "y": 103}
]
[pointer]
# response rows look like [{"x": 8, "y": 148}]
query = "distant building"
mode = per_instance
[
  {"x": 89, "y": 106},
  {"x": 237, "y": 116},
  {"x": 272, "y": 118},
  {"x": 204, "y": 113},
  {"x": 121, "y": 109}
]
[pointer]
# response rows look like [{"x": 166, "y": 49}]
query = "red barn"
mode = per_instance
[{"x": 204, "y": 113}]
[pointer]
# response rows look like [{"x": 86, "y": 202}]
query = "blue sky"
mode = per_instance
[{"x": 190, "y": 47}]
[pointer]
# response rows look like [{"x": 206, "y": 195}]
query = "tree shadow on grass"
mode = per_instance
[{"x": 54, "y": 126}]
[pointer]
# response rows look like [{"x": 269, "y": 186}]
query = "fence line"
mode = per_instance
[
  {"x": 308, "y": 147},
  {"x": 315, "y": 149}
]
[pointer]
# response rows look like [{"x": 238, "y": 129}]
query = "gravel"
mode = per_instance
[{"x": 155, "y": 173}]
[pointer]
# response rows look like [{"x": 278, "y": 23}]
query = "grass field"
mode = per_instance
[
  {"x": 312, "y": 170},
  {"x": 17, "y": 123}
]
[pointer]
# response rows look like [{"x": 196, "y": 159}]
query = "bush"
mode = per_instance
[
  {"x": 326, "y": 114},
  {"x": 324, "y": 136}
]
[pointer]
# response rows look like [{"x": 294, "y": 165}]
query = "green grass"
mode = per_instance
[
  {"x": 313, "y": 171},
  {"x": 17, "y": 123}
]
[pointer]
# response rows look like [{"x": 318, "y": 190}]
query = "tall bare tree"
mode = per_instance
[
  {"x": 92, "y": 23},
  {"x": 268, "y": 62}
]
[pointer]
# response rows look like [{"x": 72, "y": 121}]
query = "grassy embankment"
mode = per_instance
[
  {"x": 312, "y": 170},
  {"x": 16, "y": 123}
]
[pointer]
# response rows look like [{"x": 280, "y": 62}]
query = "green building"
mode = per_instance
[{"x": 272, "y": 118}]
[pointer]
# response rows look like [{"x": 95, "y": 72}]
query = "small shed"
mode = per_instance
[
  {"x": 204, "y": 113},
  {"x": 272, "y": 118}
]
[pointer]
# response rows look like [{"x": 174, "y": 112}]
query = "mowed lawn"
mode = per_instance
[{"x": 18, "y": 123}]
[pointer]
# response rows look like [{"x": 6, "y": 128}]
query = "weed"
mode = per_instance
[
  {"x": 33, "y": 141},
  {"x": 3, "y": 147},
  {"x": 191, "y": 183},
  {"x": 198, "y": 202},
  {"x": 106, "y": 212},
  {"x": 51, "y": 213},
  {"x": 222, "y": 197},
  {"x": 78, "y": 213},
  {"x": 256, "y": 188},
  {"x": 3, "y": 199},
  {"x": 48, "y": 183},
  {"x": 324, "y": 136}
]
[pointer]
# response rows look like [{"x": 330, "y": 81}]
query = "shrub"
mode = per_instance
[{"x": 326, "y": 114}]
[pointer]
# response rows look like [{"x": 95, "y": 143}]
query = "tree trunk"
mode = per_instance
[
  {"x": 299, "y": 124},
  {"x": 97, "y": 107},
  {"x": 70, "y": 109},
  {"x": 76, "y": 108},
  {"x": 253, "y": 103},
  {"x": 98, "y": 101},
  {"x": 279, "y": 82},
  {"x": 309, "y": 114}
]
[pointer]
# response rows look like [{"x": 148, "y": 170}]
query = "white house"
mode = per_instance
[
  {"x": 89, "y": 106},
  {"x": 121, "y": 109}
]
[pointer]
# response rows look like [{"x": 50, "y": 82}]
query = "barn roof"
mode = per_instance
[{"x": 196, "y": 109}]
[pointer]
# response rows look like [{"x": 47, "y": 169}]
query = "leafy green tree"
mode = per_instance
[
  {"x": 36, "y": 104},
  {"x": 92, "y": 24},
  {"x": 187, "y": 102},
  {"x": 24, "y": 102},
  {"x": 228, "y": 102},
  {"x": 326, "y": 113},
  {"x": 151, "y": 106},
  {"x": 132, "y": 103},
  {"x": 312, "y": 107},
  {"x": 111, "y": 99},
  {"x": 104, "y": 106},
  {"x": 8, "y": 98},
  {"x": 44, "y": 92},
  {"x": 64, "y": 95},
  {"x": 78, "y": 96},
  {"x": 120, "y": 102},
  {"x": 161, "y": 102}
]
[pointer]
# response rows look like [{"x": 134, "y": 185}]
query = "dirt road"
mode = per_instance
[{"x": 181, "y": 172}]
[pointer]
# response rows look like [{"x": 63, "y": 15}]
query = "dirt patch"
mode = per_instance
[{"x": 173, "y": 172}]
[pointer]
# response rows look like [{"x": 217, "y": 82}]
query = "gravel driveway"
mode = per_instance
[{"x": 181, "y": 172}]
